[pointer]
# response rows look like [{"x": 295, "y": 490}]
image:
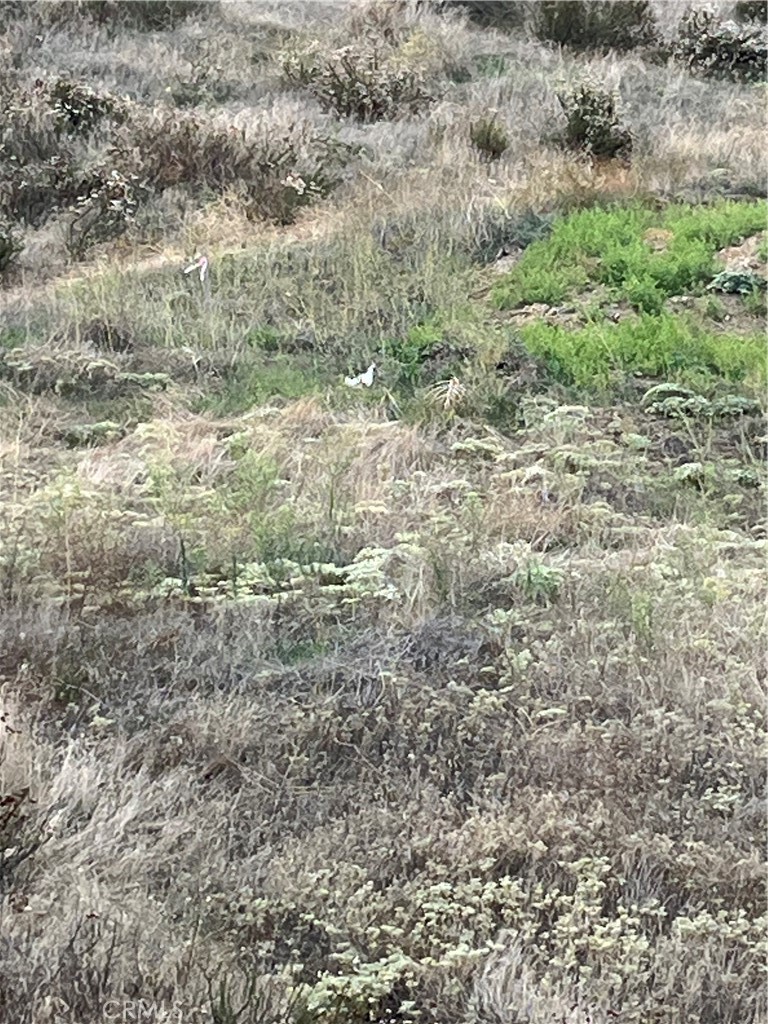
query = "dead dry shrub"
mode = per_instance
[
  {"x": 367, "y": 85},
  {"x": 276, "y": 177},
  {"x": 22, "y": 833},
  {"x": 378, "y": 21},
  {"x": 40, "y": 164},
  {"x": 751, "y": 10},
  {"x": 104, "y": 210},
  {"x": 31, "y": 126},
  {"x": 79, "y": 108}
]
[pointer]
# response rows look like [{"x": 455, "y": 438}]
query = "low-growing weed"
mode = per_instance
[
  {"x": 539, "y": 583},
  {"x": 755, "y": 302},
  {"x": 665, "y": 346},
  {"x": 251, "y": 384},
  {"x": 612, "y": 246}
]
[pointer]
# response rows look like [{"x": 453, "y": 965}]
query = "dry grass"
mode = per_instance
[{"x": 376, "y": 705}]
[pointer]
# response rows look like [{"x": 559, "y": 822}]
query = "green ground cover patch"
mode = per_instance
[
  {"x": 607, "y": 246},
  {"x": 253, "y": 384},
  {"x": 666, "y": 345}
]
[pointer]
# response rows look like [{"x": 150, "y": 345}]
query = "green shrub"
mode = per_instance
[
  {"x": 664, "y": 346},
  {"x": 252, "y": 383},
  {"x": 77, "y": 107},
  {"x": 411, "y": 350},
  {"x": 489, "y": 137},
  {"x": 716, "y": 49},
  {"x": 362, "y": 84},
  {"x": 498, "y": 14},
  {"x": 751, "y": 10},
  {"x": 10, "y": 246},
  {"x": 592, "y": 123},
  {"x": 145, "y": 15},
  {"x": 719, "y": 224},
  {"x": 594, "y": 24},
  {"x": 104, "y": 211}
]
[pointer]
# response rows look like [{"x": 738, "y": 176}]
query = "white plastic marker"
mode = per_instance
[
  {"x": 201, "y": 264},
  {"x": 362, "y": 380}
]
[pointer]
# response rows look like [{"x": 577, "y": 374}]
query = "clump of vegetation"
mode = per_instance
[
  {"x": 601, "y": 355},
  {"x": 366, "y": 85},
  {"x": 676, "y": 401},
  {"x": 499, "y": 14},
  {"x": 10, "y": 246},
  {"x": 489, "y": 137},
  {"x": 145, "y": 15},
  {"x": 104, "y": 211},
  {"x": 609, "y": 246},
  {"x": 739, "y": 282},
  {"x": 595, "y": 24},
  {"x": 718, "y": 49},
  {"x": 751, "y": 10},
  {"x": 78, "y": 107},
  {"x": 593, "y": 124},
  {"x": 42, "y": 170},
  {"x": 276, "y": 177}
]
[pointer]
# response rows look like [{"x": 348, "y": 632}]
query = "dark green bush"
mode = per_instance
[
  {"x": 79, "y": 108},
  {"x": 593, "y": 125},
  {"x": 751, "y": 10},
  {"x": 489, "y": 137},
  {"x": 146, "y": 15},
  {"x": 10, "y": 245},
  {"x": 361, "y": 84},
  {"x": 594, "y": 24},
  {"x": 499, "y": 14},
  {"x": 30, "y": 193},
  {"x": 716, "y": 49}
]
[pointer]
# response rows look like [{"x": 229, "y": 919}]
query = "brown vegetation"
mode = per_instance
[{"x": 432, "y": 702}]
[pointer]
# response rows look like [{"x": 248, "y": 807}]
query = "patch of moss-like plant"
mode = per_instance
[
  {"x": 611, "y": 246},
  {"x": 667, "y": 346}
]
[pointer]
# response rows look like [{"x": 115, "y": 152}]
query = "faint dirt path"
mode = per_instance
[{"x": 218, "y": 242}]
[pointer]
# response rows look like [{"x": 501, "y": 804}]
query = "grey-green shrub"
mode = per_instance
[
  {"x": 594, "y": 24},
  {"x": 593, "y": 124},
  {"x": 717, "y": 49}
]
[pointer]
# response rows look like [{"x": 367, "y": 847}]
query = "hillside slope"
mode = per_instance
[{"x": 434, "y": 701}]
